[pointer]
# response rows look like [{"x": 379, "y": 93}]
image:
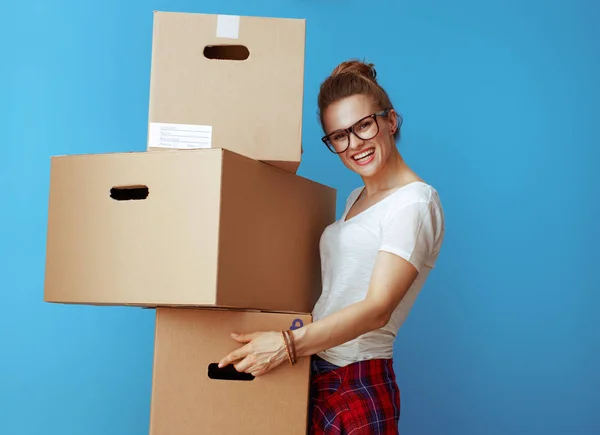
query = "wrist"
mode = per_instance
[
  {"x": 289, "y": 348},
  {"x": 282, "y": 353},
  {"x": 299, "y": 338}
]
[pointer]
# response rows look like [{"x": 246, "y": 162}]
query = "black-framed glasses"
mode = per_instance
[{"x": 365, "y": 128}]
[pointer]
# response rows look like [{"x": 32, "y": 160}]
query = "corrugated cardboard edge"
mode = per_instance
[
  {"x": 152, "y": 76},
  {"x": 154, "y": 354},
  {"x": 287, "y": 166},
  {"x": 220, "y": 212},
  {"x": 46, "y": 298},
  {"x": 301, "y": 152}
]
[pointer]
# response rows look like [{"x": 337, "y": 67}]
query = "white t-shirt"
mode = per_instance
[{"x": 410, "y": 223}]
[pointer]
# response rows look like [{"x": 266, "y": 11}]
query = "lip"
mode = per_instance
[{"x": 368, "y": 160}]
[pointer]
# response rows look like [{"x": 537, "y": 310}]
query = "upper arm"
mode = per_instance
[
  {"x": 408, "y": 238},
  {"x": 392, "y": 277}
]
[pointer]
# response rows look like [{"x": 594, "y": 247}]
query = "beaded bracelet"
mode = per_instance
[
  {"x": 287, "y": 347},
  {"x": 292, "y": 345}
]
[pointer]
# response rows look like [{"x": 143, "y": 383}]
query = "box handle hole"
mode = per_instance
[
  {"x": 226, "y": 52},
  {"x": 129, "y": 193},
  {"x": 227, "y": 373}
]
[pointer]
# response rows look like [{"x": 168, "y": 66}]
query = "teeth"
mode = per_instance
[{"x": 363, "y": 154}]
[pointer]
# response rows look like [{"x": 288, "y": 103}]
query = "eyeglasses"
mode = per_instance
[{"x": 365, "y": 128}]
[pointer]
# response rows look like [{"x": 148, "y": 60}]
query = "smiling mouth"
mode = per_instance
[{"x": 361, "y": 157}]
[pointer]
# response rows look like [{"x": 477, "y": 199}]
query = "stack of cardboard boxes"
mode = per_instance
[{"x": 211, "y": 225}]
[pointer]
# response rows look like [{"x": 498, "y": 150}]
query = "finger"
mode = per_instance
[
  {"x": 244, "y": 365},
  {"x": 233, "y": 356},
  {"x": 259, "y": 371}
]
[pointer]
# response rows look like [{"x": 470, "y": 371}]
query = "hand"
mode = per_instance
[{"x": 263, "y": 351}]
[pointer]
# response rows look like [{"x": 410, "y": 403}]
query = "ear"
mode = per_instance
[{"x": 393, "y": 120}]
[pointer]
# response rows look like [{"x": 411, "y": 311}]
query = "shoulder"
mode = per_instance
[
  {"x": 416, "y": 194},
  {"x": 414, "y": 206},
  {"x": 413, "y": 225}
]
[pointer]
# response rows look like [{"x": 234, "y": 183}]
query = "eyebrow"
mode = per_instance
[{"x": 343, "y": 128}]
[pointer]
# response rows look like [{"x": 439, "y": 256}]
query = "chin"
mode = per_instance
[{"x": 367, "y": 172}]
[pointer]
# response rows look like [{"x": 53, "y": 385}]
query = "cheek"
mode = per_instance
[
  {"x": 385, "y": 148},
  {"x": 346, "y": 159}
]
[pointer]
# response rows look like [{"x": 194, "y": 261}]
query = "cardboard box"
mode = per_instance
[
  {"x": 199, "y": 228},
  {"x": 190, "y": 396},
  {"x": 230, "y": 82}
]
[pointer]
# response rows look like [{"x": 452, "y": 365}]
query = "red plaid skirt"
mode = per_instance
[{"x": 361, "y": 398}]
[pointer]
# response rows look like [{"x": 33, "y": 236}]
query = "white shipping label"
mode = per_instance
[
  {"x": 179, "y": 136},
  {"x": 228, "y": 26}
]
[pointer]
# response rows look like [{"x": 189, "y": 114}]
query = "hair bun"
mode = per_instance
[{"x": 357, "y": 67}]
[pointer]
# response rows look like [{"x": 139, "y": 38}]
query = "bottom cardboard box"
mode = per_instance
[{"x": 190, "y": 395}]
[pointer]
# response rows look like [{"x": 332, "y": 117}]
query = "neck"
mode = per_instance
[{"x": 395, "y": 173}]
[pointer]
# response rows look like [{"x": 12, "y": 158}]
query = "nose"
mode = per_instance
[{"x": 355, "y": 141}]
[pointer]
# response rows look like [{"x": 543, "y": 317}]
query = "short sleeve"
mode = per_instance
[
  {"x": 409, "y": 231},
  {"x": 352, "y": 197}
]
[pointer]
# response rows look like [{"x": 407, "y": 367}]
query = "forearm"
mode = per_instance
[{"x": 338, "y": 328}]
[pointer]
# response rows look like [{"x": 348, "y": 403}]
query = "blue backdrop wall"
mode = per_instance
[{"x": 500, "y": 100}]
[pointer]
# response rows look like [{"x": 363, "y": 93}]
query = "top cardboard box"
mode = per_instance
[{"x": 232, "y": 82}]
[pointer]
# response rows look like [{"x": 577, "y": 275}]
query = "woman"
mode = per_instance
[{"x": 375, "y": 260}]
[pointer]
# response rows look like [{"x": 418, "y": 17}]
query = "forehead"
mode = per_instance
[{"x": 345, "y": 112}]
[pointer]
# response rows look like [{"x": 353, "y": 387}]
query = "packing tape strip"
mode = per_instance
[{"x": 228, "y": 26}]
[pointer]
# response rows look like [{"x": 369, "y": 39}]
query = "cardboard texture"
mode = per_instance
[
  {"x": 187, "y": 401},
  {"x": 230, "y": 82},
  {"x": 198, "y": 228}
]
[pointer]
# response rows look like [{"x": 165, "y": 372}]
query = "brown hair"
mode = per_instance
[{"x": 353, "y": 77}]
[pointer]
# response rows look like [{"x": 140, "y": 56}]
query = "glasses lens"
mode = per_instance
[
  {"x": 338, "y": 141},
  {"x": 366, "y": 128}
]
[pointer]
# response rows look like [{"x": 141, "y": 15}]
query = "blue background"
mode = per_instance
[{"x": 501, "y": 108}]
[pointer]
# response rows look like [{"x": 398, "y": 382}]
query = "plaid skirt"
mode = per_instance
[{"x": 362, "y": 398}]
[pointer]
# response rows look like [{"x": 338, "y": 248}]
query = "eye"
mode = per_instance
[{"x": 365, "y": 124}]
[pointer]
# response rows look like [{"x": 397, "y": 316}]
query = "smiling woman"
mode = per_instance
[{"x": 375, "y": 260}]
